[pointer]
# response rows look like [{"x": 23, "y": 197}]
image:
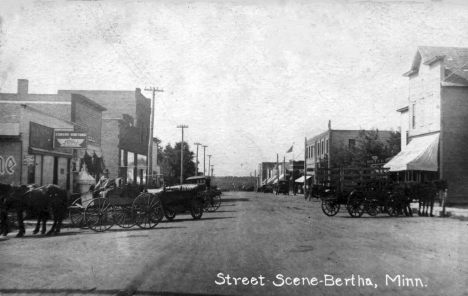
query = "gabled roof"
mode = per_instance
[{"x": 455, "y": 63}]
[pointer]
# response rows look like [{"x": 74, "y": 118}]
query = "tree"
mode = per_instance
[
  {"x": 170, "y": 164},
  {"x": 368, "y": 144}
]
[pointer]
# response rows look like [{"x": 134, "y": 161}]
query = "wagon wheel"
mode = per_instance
[
  {"x": 76, "y": 213},
  {"x": 196, "y": 209},
  {"x": 393, "y": 205},
  {"x": 355, "y": 204},
  {"x": 123, "y": 217},
  {"x": 213, "y": 204},
  {"x": 170, "y": 215},
  {"x": 99, "y": 214},
  {"x": 147, "y": 210},
  {"x": 372, "y": 208},
  {"x": 330, "y": 207}
]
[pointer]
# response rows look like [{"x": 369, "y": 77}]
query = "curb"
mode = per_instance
[{"x": 448, "y": 214}]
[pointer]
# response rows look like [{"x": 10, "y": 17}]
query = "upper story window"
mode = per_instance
[
  {"x": 421, "y": 111},
  {"x": 413, "y": 116},
  {"x": 351, "y": 143}
]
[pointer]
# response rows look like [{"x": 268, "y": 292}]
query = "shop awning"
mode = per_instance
[
  {"x": 420, "y": 154},
  {"x": 281, "y": 178},
  {"x": 301, "y": 179}
]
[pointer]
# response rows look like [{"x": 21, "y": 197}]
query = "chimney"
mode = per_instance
[{"x": 23, "y": 86}]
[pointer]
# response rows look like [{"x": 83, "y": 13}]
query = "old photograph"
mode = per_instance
[{"x": 233, "y": 147}]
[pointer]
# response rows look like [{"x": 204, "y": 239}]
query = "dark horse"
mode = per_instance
[
  {"x": 426, "y": 194},
  {"x": 42, "y": 200}
]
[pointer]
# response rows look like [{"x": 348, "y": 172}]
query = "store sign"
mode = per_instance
[
  {"x": 70, "y": 140},
  {"x": 28, "y": 159}
]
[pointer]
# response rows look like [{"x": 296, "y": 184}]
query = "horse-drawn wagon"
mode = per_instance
[
  {"x": 123, "y": 204},
  {"x": 360, "y": 190}
]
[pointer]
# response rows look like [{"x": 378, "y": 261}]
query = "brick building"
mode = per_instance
[
  {"x": 27, "y": 154},
  {"x": 319, "y": 146},
  {"x": 125, "y": 131},
  {"x": 434, "y": 121}
]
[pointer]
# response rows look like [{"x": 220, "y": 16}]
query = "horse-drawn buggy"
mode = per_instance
[
  {"x": 360, "y": 190},
  {"x": 123, "y": 204}
]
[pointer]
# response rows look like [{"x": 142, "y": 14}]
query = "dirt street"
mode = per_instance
[{"x": 255, "y": 244}]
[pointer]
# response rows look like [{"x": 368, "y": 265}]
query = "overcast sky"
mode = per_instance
[{"x": 249, "y": 78}]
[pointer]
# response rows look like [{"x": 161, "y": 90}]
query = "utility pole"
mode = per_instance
[
  {"x": 149, "y": 159},
  {"x": 209, "y": 164},
  {"x": 182, "y": 154},
  {"x": 204, "y": 147},
  {"x": 198, "y": 144}
]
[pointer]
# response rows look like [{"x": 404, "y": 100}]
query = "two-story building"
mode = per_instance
[
  {"x": 28, "y": 123},
  {"x": 125, "y": 131},
  {"x": 434, "y": 123},
  {"x": 319, "y": 147}
]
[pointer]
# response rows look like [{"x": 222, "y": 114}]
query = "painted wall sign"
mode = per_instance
[
  {"x": 70, "y": 140},
  {"x": 10, "y": 162},
  {"x": 7, "y": 165}
]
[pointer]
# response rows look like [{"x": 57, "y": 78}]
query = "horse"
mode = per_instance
[
  {"x": 43, "y": 200},
  {"x": 426, "y": 194}
]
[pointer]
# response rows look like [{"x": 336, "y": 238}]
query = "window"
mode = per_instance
[
  {"x": 327, "y": 148},
  {"x": 323, "y": 151},
  {"x": 421, "y": 111},
  {"x": 413, "y": 120},
  {"x": 351, "y": 143}
]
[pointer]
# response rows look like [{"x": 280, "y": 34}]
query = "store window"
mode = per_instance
[
  {"x": 131, "y": 167},
  {"x": 141, "y": 167}
]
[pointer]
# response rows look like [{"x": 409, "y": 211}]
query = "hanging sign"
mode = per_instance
[{"x": 70, "y": 140}]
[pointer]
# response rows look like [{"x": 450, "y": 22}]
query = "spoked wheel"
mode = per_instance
[
  {"x": 330, "y": 207},
  {"x": 393, "y": 206},
  {"x": 355, "y": 205},
  {"x": 170, "y": 215},
  {"x": 196, "y": 210},
  {"x": 123, "y": 217},
  {"x": 147, "y": 210},
  {"x": 99, "y": 214},
  {"x": 212, "y": 204},
  {"x": 76, "y": 213},
  {"x": 372, "y": 208}
]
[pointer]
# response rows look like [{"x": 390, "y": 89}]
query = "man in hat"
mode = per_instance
[{"x": 104, "y": 183}]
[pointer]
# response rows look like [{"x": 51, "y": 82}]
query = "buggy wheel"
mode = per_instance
[
  {"x": 147, "y": 210},
  {"x": 170, "y": 215},
  {"x": 196, "y": 210},
  {"x": 212, "y": 204},
  {"x": 76, "y": 214},
  {"x": 355, "y": 205},
  {"x": 123, "y": 217},
  {"x": 99, "y": 214},
  {"x": 330, "y": 207},
  {"x": 372, "y": 208}
]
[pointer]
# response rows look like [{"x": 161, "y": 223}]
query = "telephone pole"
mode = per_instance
[
  {"x": 182, "y": 154},
  {"x": 204, "y": 147},
  {"x": 149, "y": 160},
  {"x": 209, "y": 164},
  {"x": 198, "y": 144}
]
